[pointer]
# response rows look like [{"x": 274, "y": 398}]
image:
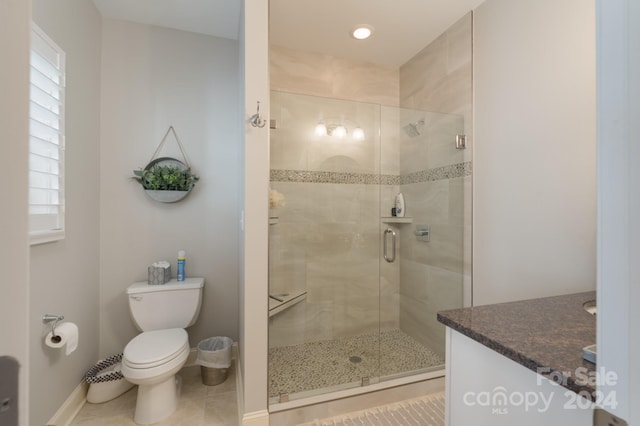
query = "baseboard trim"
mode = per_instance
[
  {"x": 71, "y": 406},
  {"x": 239, "y": 384},
  {"x": 256, "y": 418}
]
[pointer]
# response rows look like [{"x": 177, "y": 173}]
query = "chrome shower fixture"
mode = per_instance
[{"x": 414, "y": 129}]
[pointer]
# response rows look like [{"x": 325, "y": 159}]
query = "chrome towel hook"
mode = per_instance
[
  {"x": 256, "y": 120},
  {"x": 54, "y": 319}
]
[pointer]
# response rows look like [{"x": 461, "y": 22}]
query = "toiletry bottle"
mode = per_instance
[
  {"x": 181, "y": 265},
  {"x": 400, "y": 205}
]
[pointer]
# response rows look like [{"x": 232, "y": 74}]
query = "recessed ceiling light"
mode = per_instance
[{"x": 362, "y": 32}]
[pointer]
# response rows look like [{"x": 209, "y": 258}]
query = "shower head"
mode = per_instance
[{"x": 413, "y": 129}]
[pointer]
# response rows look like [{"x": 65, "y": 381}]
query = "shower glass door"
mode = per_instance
[
  {"x": 324, "y": 245},
  {"x": 426, "y": 272},
  {"x": 354, "y": 291}
]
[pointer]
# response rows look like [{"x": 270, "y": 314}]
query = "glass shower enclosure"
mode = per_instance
[{"x": 353, "y": 289}]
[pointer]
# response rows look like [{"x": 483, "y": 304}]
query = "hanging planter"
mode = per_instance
[{"x": 167, "y": 179}]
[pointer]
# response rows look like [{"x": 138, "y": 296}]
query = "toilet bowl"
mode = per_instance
[
  {"x": 151, "y": 361},
  {"x": 152, "y": 358}
]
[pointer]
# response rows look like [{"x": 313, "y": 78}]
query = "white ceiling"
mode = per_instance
[
  {"x": 401, "y": 27},
  {"x": 219, "y": 18}
]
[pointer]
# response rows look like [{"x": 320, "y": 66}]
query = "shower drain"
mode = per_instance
[{"x": 355, "y": 359}]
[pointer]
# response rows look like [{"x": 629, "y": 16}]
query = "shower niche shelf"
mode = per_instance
[{"x": 395, "y": 219}]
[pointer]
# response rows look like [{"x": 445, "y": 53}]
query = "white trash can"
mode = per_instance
[{"x": 214, "y": 359}]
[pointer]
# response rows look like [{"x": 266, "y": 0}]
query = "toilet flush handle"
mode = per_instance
[{"x": 136, "y": 298}]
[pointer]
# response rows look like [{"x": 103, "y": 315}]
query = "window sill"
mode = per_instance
[{"x": 45, "y": 237}]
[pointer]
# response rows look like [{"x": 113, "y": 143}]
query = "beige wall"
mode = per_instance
[
  {"x": 534, "y": 230},
  {"x": 15, "y": 23},
  {"x": 152, "y": 78},
  {"x": 65, "y": 274}
]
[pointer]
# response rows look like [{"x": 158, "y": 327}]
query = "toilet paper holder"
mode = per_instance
[{"x": 54, "y": 319}]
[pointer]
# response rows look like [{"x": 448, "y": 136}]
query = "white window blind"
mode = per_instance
[{"x": 46, "y": 139}]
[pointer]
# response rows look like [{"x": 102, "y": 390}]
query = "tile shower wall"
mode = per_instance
[
  {"x": 436, "y": 275},
  {"x": 315, "y": 74}
]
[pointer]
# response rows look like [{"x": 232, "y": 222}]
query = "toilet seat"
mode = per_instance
[{"x": 153, "y": 348}]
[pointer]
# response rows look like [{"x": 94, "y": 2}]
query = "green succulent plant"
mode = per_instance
[{"x": 165, "y": 178}]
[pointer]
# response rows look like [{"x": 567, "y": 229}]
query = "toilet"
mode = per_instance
[{"x": 152, "y": 358}]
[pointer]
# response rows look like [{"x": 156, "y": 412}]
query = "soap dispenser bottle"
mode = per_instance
[
  {"x": 400, "y": 205},
  {"x": 181, "y": 265}
]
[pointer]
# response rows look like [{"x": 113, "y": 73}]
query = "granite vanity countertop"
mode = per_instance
[{"x": 544, "y": 335}]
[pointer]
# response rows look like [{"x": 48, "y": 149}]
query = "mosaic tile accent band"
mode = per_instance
[
  {"x": 438, "y": 173},
  {"x": 305, "y": 176}
]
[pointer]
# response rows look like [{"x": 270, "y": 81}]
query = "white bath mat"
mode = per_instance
[{"x": 424, "y": 411}]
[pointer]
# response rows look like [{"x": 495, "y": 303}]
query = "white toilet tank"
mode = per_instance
[{"x": 175, "y": 304}]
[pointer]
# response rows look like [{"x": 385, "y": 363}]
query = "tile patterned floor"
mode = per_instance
[
  {"x": 301, "y": 367},
  {"x": 202, "y": 405},
  {"x": 327, "y": 363},
  {"x": 199, "y": 405},
  {"x": 424, "y": 411}
]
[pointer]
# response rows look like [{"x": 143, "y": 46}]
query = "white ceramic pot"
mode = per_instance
[{"x": 166, "y": 196}]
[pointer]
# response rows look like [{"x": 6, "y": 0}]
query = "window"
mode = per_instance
[{"x": 46, "y": 139}]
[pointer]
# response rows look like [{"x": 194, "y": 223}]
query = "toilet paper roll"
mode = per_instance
[{"x": 66, "y": 335}]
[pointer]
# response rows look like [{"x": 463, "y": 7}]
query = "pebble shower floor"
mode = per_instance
[{"x": 327, "y": 363}]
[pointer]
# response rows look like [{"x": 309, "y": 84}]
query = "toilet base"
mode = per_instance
[{"x": 157, "y": 402}]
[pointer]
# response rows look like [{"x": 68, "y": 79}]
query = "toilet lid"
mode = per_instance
[{"x": 155, "y": 347}]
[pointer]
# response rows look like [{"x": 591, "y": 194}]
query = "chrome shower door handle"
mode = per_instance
[{"x": 391, "y": 258}]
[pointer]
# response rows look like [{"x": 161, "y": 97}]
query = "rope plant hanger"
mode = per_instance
[{"x": 167, "y": 179}]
